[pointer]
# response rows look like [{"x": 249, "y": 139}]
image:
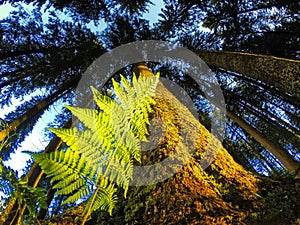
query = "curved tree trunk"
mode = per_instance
[
  {"x": 37, "y": 109},
  {"x": 283, "y": 156},
  {"x": 272, "y": 91},
  {"x": 281, "y": 73},
  {"x": 224, "y": 193}
]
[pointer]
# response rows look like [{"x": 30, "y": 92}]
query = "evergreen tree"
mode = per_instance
[{"x": 261, "y": 94}]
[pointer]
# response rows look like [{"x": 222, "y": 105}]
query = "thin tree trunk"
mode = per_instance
[
  {"x": 33, "y": 177},
  {"x": 254, "y": 151},
  {"x": 283, "y": 156},
  {"x": 281, "y": 73},
  {"x": 38, "y": 108},
  {"x": 7, "y": 210}
]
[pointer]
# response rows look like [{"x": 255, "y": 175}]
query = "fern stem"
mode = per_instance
[
  {"x": 13, "y": 219},
  {"x": 24, "y": 205},
  {"x": 96, "y": 191},
  {"x": 19, "y": 221},
  {"x": 38, "y": 179},
  {"x": 92, "y": 201}
]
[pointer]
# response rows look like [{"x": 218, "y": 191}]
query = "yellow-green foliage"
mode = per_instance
[{"x": 101, "y": 155}]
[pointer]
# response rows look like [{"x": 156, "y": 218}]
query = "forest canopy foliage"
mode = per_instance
[{"x": 252, "y": 48}]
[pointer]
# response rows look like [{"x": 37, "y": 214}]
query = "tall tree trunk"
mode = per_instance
[
  {"x": 225, "y": 193},
  {"x": 281, "y": 73},
  {"x": 283, "y": 156},
  {"x": 189, "y": 195},
  {"x": 245, "y": 160},
  {"x": 37, "y": 108},
  {"x": 265, "y": 87}
]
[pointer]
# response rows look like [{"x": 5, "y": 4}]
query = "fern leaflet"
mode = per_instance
[{"x": 101, "y": 156}]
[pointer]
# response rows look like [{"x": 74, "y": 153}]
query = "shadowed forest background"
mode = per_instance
[{"x": 251, "y": 47}]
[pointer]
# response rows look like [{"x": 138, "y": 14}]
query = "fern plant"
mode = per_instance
[
  {"x": 17, "y": 190},
  {"x": 101, "y": 156}
]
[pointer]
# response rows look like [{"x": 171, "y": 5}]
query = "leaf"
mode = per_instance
[{"x": 101, "y": 156}]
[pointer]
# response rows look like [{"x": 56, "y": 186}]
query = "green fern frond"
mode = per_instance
[
  {"x": 80, "y": 193},
  {"x": 66, "y": 135},
  {"x": 72, "y": 187},
  {"x": 103, "y": 101},
  {"x": 101, "y": 156},
  {"x": 61, "y": 164},
  {"x": 120, "y": 172},
  {"x": 89, "y": 117},
  {"x": 72, "y": 178},
  {"x": 105, "y": 199}
]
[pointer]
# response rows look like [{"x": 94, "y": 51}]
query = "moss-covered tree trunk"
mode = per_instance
[
  {"x": 191, "y": 196},
  {"x": 280, "y": 73},
  {"x": 223, "y": 193}
]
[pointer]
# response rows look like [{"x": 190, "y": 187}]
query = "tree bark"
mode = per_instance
[
  {"x": 37, "y": 108},
  {"x": 283, "y": 156},
  {"x": 281, "y": 73},
  {"x": 266, "y": 87},
  {"x": 225, "y": 193},
  {"x": 189, "y": 195}
]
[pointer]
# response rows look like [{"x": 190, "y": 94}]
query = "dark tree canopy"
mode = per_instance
[{"x": 45, "y": 51}]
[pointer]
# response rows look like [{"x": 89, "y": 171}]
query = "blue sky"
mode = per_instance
[{"x": 4, "y": 10}]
